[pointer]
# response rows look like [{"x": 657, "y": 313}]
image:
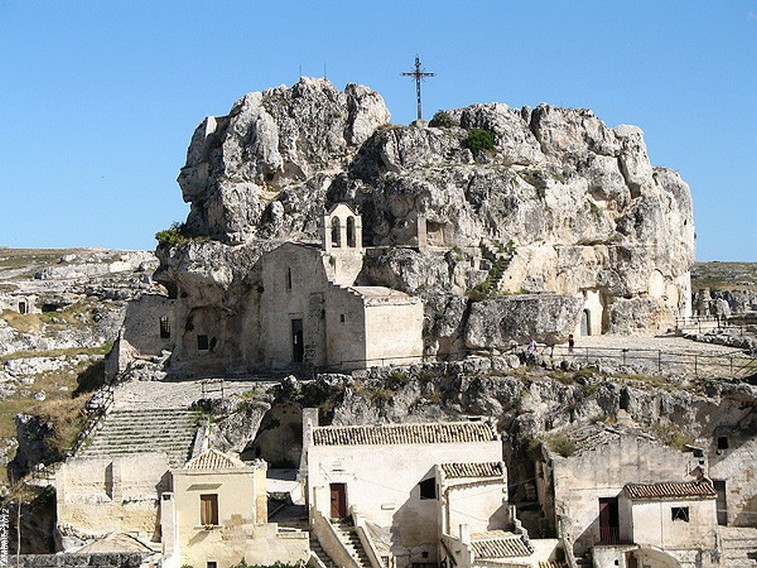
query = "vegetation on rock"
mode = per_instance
[
  {"x": 480, "y": 140},
  {"x": 176, "y": 233}
]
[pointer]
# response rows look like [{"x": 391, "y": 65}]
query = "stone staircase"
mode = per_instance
[
  {"x": 320, "y": 554},
  {"x": 129, "y": 432},
  {"x": 739, "y": 547},
  {"x": 351, "y": 541}
]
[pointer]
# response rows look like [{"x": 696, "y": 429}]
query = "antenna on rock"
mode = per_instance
[{"x": 419, "y": 75}]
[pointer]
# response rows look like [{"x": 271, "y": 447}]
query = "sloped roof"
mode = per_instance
[
  {"x": 498, "y": 544},
  {"x": 213, "y": 459},
  {"x": 384, "y": 434},
  {"x": 592, "y": 437},
  {"x": 460, "y": 470},
  {"x": 670, "y": 490}
]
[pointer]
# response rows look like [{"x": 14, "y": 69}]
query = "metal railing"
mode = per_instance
[
  {"x": 739, "y": 323},
  {"x": 99, "y": 404},
  {"x": 734, "y": 364}
]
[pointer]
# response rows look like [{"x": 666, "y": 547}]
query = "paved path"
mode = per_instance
[
  {"x": 180, "y": 394},
  {"x": 670, "y": 354}
]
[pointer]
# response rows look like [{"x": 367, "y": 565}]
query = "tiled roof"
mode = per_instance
[
  {"x": 675, "y": 490},
  {"x": 458, "y": 470},
  {"x": 213, "y": 459},
  {"x": 551, "y": 564},
  {"x": 498, "y": 544},
  {"x": 437, "y": 433}
]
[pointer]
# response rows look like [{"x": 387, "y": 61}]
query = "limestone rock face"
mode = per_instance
[
  {"x": 283, "y": 144},
  {"x": 498, "y": 321},
  {"x": 560, "y": 205}
]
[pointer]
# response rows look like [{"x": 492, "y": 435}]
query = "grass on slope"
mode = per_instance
[{"x": 724, "y": 276}]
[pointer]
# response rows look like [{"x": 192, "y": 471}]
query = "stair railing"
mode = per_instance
[{"x": 365, "y": 540}]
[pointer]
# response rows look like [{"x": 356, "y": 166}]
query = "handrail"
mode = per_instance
[{"x": 365, "y": 540}]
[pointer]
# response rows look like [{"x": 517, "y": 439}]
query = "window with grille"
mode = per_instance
[{"x": 165, "y": 328}]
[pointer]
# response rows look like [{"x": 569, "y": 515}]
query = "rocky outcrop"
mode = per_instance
[
  {"x": 280, "y": 146},
  {"x": 497, "y": 322},
  {"x": 558, "y": 204}
]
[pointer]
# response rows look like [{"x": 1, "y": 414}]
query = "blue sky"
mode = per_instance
[{"x": 99, "y": 98}]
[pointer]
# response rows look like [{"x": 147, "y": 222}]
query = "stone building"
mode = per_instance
[
  {"x": 436, "y": 496},
  {"x": 217, "y": 515},
  {"x": 300, "y": 306},
  {"x": 624, "y": 499},
  {"x": 732, "y": 460}
]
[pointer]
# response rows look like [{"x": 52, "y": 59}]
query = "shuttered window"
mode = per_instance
[{"x": 209, "y": 510}]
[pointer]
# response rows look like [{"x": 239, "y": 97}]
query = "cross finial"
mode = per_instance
[{"x": 419, "y": 74}]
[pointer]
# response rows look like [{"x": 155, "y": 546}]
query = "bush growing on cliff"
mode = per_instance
[
  {"x": 442, "y": 119},
  {"x": 176, "y": 233},
  {"x": 480, "y": 140}
]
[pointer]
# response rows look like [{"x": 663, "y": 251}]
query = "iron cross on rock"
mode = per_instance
[{"x": 419, "y": 75}]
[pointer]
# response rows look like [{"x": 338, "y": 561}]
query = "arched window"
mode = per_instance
[
  {"x": 336, "y": 233},
  {"x": 351, "y": 232}
]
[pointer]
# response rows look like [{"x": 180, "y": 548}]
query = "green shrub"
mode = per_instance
[
  {"x": 442, "y": 119},
  {"x": 562, "y": 445},
  {"x": 480, "y": 140},
  {"x": 176, "y": 233}
]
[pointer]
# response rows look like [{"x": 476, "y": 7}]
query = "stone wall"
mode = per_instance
[{"x": 100, "y": 559}]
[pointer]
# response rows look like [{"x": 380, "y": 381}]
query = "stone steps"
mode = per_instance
[
  {"x": 317, "y": 549},
  {"x": 738, "y": 547},
  {"x": 128, "y": 432},
  {"x": 352, "y": 544}
]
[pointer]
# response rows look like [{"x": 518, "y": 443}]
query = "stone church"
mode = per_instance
[{"x": 300, "y": 308}]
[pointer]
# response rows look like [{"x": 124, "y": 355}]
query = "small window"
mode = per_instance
[
  {"x": 428, "y": 488},
  {"x": 679, "y": 514},
  {"x": 341, "y": 318},
  {"x": 351, "y": 242},
  {"x": 289, "y": 278},
  {"x": 209, "y": 510},
  {"x": 722, "y": 442},
  {"x": 336, "y": 233},
  {"x": 165, "y": 328},
  {"x": 211, "y": 564},
  {"x": 22, "y": 309},
  {"x": 202, "y": 343}
]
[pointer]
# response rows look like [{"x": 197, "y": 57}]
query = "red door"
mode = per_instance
[
  {"x": 338, "y": 500},
  {"x": 609, "y": 530}
]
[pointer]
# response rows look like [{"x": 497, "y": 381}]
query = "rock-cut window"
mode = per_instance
[{"x": 202, "y": 343}]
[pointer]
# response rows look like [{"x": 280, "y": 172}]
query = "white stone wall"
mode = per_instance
[
  {"x": 393, "y": 331},
  {"x": 481, "y": 506},
  {"x": 385, "y": 491},
  {"x": 737, "y": 466},
  {"x": 580, "y": 481},
  {"x": 141, "y": 327},
  {"x": 98, "y": 496},
  {"x": 243, "y": 530},
  {"x": 346, "y": 334},
  {"x": 280, "y": 304},
  {"x": 653, "y": 524}
]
